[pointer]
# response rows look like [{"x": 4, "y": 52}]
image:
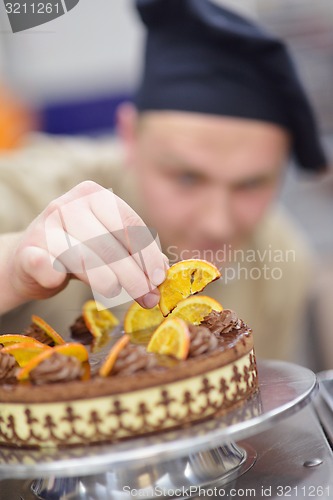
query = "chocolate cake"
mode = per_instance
[{"x": 145, "y": 393}]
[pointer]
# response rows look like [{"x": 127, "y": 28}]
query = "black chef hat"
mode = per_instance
[{"x": 204, "y": 58}]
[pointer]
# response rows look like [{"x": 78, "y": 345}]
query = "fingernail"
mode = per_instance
[
  {"x": 158, "y": 276},
  {"x": 150, "y": 300},
  {"x": 166, "y": 260}
]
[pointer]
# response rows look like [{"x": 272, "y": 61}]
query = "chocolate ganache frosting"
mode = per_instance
[
  {"x": 8, "y": 367},
  {"x": 202, "y": 341},
  {"x": 56, "y": 368},
  {"x": 37, "y": 333},
  {"x": 222, "y": 322},
  {"x": 133, "y": 358},
  {"x": 80, "y": 331}
]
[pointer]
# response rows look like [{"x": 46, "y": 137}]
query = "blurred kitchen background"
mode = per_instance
[{"x": 72, "y": 72}]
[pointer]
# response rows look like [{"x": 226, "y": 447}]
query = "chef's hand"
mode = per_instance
[{"x": 90, "y": 234}]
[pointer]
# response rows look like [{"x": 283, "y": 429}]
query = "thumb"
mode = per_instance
[{"x": 37, "y": 263}]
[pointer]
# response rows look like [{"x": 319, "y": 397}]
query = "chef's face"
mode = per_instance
[{"x": 205, "y": 181}]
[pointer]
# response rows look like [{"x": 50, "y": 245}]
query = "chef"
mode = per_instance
[{"x": 199, "y": 158}]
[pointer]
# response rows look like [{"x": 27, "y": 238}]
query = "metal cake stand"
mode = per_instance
[{"x": 199, "y": 456}]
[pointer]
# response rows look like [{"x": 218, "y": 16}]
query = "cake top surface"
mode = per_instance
[
  {"x": 219, "y": 339},
  {"x": 104, "y": 357}
]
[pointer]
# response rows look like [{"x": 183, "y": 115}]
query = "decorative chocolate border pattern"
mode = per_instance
[{"x": 111, "y": 418}]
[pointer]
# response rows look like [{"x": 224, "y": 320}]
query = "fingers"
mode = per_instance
[
  {"x": 78, "y": 258},
  {"x": 103, "y": 280},
  {"x": 149, "y": 300},
  {"x": 97, "y": 237},
  {"x": 166, "y": 261},
  {"x": 36, "y": 264},
  {"x": 128, "y": 228}
]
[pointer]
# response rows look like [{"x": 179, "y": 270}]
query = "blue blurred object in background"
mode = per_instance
[{"x": 90, "y": 116}]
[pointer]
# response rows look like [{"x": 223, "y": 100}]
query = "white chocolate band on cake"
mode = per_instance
[{"x": 153, "y": 399}]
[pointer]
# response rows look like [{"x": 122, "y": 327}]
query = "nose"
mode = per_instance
[{"x": 216, "y": 220}]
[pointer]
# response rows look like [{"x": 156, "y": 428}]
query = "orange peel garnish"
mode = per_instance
[
  {"x": 195, "y": 308},
  {"x": 171, "y": 338},
  {"x": 24, "y": 352},
  {"x": 8, "y": 339},
  {"x": 138, "y": 318},
  {"x": 57, "y": 339},
  {"x": 111, "y": 358},
  {"x": 77, "y": 351},
  {"x": 98, "y": 320},
  {"x": 183, "y": 279}
]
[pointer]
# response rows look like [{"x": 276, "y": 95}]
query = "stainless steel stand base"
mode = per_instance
[{"x": 186, "y": 475}]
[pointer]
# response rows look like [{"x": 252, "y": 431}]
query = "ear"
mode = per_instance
[{"x": 127, "y": 121}]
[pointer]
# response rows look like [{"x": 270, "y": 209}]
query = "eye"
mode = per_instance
[
  {"x": 251, "y": 184},
  {"x": 188, "y": 179}
]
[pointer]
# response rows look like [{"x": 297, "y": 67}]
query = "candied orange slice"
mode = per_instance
[
  {"x": 24, "y": 352},
  {"x": 195, "y": 308},
  {"x": 183, "y": 279},
  {"x": 8, "y": 339},
  {"x": 138, "y": 318},
  {"x": 172, "y": 338},
  {"x": 57, "y": 339},
  {"x": 111, "y": 358},
  {"x": 98, "y": 320},
  {"x": 71, "y": 349}
]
